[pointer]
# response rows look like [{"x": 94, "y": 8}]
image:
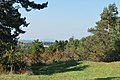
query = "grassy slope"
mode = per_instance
[{"x": 72, "y": 71}]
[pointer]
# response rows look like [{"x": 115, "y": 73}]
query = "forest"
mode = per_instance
[{"x": 102, "y": 45}]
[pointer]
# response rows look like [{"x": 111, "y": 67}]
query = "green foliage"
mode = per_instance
[
  {"x": 14, "y": 62},
  {"x": 71, "y": 48},
  {"x": 85, "y": 47},
  {"x": 55, "y": 52},
  {"x": 11, "y": 21},
  {"x": 23, "y": 48},
  {"x": 11, "y": 24},
  {"x": 104, "y": 42},
  {"x": 37, "y": 47},
  {"x": 57, "y": 46}
]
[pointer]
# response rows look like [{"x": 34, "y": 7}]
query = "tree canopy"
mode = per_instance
[
  {"x": 106, "y": 27},
  {"x": 11, "y": 22}
]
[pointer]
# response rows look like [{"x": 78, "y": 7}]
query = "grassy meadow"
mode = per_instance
[{"x": 71, "y": 70}]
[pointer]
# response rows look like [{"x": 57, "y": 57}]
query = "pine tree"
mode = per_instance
[
  {"x": 103, "y": 32},
  {"x": 11, "y": 24}
]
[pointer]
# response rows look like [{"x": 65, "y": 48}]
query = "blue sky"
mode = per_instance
[{"x": 63, "y": 19}]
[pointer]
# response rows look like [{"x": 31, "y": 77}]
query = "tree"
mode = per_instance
[
  {"x": 85, "y": 47},
  {"x": 37, "y": 47},
  {"x": 71, "y": 48},
  {"x": 57, "y": 46},
  {"x": 104, "y": 31},
  {"x": 11, "y": 23}
]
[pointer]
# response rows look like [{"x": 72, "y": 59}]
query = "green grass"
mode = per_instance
[{"x": 71, "y": 70}]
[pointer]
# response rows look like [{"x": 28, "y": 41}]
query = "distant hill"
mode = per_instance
[
  {"x": 47, "y": 43},
  {"x": 30, "y": 41},
  {"x": 26, "y": 41}
]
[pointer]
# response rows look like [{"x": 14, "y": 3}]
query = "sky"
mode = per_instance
[{"x": 63, "y": 19}]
